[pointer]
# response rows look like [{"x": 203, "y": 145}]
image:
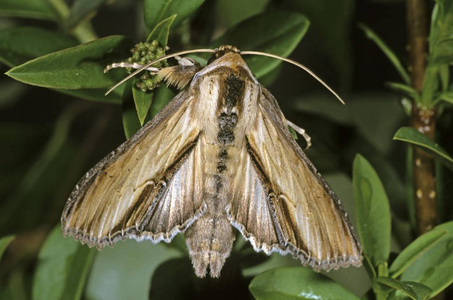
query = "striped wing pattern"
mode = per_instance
[
  {"x": 148, "y": 188},
  {"x": 282, "y": 204}
]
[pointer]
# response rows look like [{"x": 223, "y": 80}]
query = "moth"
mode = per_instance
[{"x": 218, "y": 158}]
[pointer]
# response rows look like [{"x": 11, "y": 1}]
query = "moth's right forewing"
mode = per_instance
[
  {"x": 145, "y": 189},
  {"x": 281, "y": 203}
]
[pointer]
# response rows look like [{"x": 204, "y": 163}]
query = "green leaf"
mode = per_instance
[
  {"x": 124, "y": 271},
  {"x": 4, "y": 242},
  {"x": 414, "y": 251},
  {"x": 233, "y": 12},
  {"x": 296, "y": 283},
  {"x": 279, "y": 33},
  {"x": 79, "y": 67},
  {"x": 445, "y": 96},
  {"x": 444, "y": 76},
  {"x": 81, "y": 10},
  {"x": 35, "y": 9},
  {"x": 20, "y": 44},
  {"x": 131, "y": 123},
  {"x": 414, "y": 290},
  {"x": 162, "y": 96},
  {"x": 404, "y": 89},
  {"x": 97, "y": 95},
  {"x": 372, "y": 212},
  {"x": 15, "y": 49},
  {"x": 131, "y": 120},
  {"x": 161, "y": 31},
  {"x": 428, "y": 260},
  {"x": 63, "y": 268},
  {"x": 440, "y": 50},
  {"x": 412, "y": 136},
  {"x": 440, "y": 39},
  {"x": 387, "y": 51},
  {"x": 157, "y": 10},
  {"x": 142, "y": 102}
]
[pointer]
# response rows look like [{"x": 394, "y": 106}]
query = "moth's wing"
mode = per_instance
[
  {"x": 280, "y": 203},
  {"x": 148, "y": 188}
]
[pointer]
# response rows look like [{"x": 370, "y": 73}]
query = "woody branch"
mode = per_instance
[{"x": 423, "y": 119}]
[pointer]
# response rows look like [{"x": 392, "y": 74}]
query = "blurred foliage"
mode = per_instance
[{"x": 51, "y": 137}]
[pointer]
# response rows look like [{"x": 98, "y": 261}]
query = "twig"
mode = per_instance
[{"x": 423, "y": 119}]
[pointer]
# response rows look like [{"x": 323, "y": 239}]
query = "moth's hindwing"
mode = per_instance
[
  {"x": 145, "y": 189},
  {"x": 282, "y": 204}
]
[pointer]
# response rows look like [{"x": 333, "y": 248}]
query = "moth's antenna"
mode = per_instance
[
  {"x": 296, "y": 64},
  {"x": 154, "y": 62}
]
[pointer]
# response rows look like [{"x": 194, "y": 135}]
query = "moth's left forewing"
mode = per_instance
[
  {"x": 281, "y": 203},
  {"x": 148, "y": 188}
]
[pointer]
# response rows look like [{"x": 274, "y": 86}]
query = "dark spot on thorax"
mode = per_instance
[{"x": 227, "y": 119}]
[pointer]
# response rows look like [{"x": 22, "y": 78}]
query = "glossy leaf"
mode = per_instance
[
  {"x": 279, "y": 33},
  {"x": 142, "y": 102},
  {"x": 428, "y": 260},
  {"x": 387, "y": 52},
  {"x": 81, "y": 10},
  {"x": 131, "y": 123},
  {"x": 157, "y": 10},
  {"x": 161, "y": 31},
  {"x": 35, "y": 9},
  {"x": 63, "y": 268},
  {"x": 296, "y": 283},
  {"x": 20, "y": 44},
  {"x": 124, "y": 271},
  {"x": 414, "y": 290},
  {"x": 372, "y": 212},
  {"x": 79, "y": 67},
  {"x": 4, "y": 242},
  {"x": 414, "y": 251},
  {"x": 412, "y": 136}
]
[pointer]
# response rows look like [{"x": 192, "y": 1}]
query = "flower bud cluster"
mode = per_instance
[{"x": 144, "y": 53}]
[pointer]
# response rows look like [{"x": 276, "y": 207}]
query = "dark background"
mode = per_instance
[{"x": 40, "y": 161}]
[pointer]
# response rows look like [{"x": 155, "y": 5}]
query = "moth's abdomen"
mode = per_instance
[{"x": 210, "y": 238}]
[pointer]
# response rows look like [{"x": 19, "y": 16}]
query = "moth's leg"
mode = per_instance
[
  {"x": 179, "y": 76},
  {"x": 129, "y": 65},
  {"x": 300, "y": 131}
]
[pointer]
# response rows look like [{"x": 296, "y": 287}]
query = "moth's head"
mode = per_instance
[
  {"x": 222, "y": 50},
  {"x": 227, "y": 55}
]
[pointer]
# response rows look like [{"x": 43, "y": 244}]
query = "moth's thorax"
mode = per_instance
[
  {"x": 226, "y": 93},
  {"x": 230, "y": 60}
]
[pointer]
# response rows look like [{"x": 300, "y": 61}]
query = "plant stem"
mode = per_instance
[{"x": 423, "y": 118}]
